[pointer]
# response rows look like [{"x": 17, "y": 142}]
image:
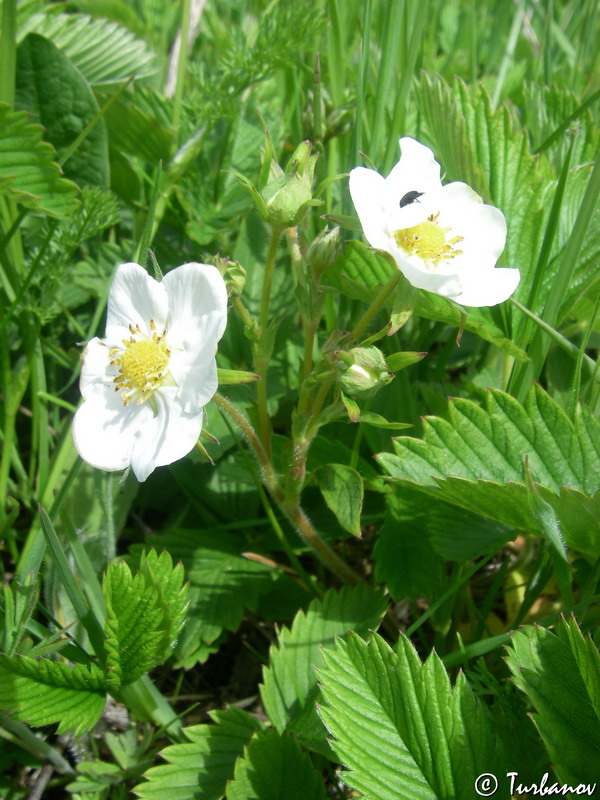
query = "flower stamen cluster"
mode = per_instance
[
  {"x": 428, "y": 240},
  {"x": 143, "y": 364}
]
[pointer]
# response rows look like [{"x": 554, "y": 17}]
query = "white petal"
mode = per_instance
[
  {"x": 197, "y": 299},
  {"x": 458, "y": 192},
  {"x": 196, "y": 383},
  {"x": 441, "y": 280},
  {"x": 483, "y": 228},
  {"x": 166, "y": 437},
  {"x": 104, "y": 430},
  {"x": 135, "y": 298},
  {"x": 96, "y": 369},
  {"x": 369, "y": 195},
  {"x": 490, "y": 287},
  {"x": 417, "y": 170}
]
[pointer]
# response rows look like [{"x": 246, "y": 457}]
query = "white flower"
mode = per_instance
[
  {"x": 145, "y": 384},
  {"x": 443, "y": 238}
]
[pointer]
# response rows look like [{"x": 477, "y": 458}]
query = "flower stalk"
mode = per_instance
[{"x": 288, "y": 506}]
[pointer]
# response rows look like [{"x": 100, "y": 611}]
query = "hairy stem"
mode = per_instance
[
  {"x": 262, "y": 348},
  {"x": 377, "y": 304}
]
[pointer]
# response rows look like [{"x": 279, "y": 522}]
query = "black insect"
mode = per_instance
[{"x": 410, "y": 197}]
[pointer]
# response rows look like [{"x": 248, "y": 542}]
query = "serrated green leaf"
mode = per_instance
[
  {"x": 560, "y": 673},
  {"x": 420, "y": 737},
  {"x": 275, "y": 768},
  {"x": 29, "y": 173},
  {"x": 200, "y": 768},
  {"x": 404, "y": 558},
  {"x": 223, "y": 585},
  {"x": 44, "y": 692},
  {"x": 103, "y": 51},
  {"x": 167, "y": 580},
  {"x": 289, "y": 688},
  {"x": 342, "y": 488},
  {"x": 134, "y": 625},
  {"x": 476, "y": 460},
  {"x": 51, "y": 89}
]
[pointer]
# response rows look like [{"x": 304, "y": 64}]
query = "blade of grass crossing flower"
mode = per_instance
[
  {"x": 149, "y": 225},
  {"x": 390, "y": 62},
  {"x": 82, "y": 609},
  {"x": 415, "y": 18},
  {"x": 517, "y": 384},
  {"x": 541, "y": 344}
]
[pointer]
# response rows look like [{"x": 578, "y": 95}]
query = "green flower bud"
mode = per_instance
[
  {"x": 286, "y": 199},
  {"x": 363, "y": 371},
  {"x": 233, "y": 272},
  {"x": 286, "y": 195},
  {"x": 324, "y": 250}
]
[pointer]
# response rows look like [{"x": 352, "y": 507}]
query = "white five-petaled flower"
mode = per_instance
[
  {"x": 145, "y": 384},
  {"x": 443, "y": 238}
]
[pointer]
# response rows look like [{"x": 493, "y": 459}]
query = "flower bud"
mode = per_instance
[
  {"x": 233, "y": 273},
  {"x": 287, "y": 195},
  {"x": 324, "y": 250},
  {"x": 286, "y": 199},
  {"x": 363, "y": 371}
]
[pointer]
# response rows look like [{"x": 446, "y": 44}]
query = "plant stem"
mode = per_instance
[
  {"x": 305, "y": 528},
  {"x": 263, "y": 348},
  {"x": 377, "y": 304},
  {"x": 292, "y": 511}
]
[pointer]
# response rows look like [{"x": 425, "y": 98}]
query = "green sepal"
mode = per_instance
[{"x": 229, "y": 377}]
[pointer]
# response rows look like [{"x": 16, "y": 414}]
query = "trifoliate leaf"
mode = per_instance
[
  {"x": 135, "y": 625},
  {"x": 420, "y": 738},
  {"x": 560, "y": 673},
  {"x": 167, "y": 580},
  {"x": 223, "y": 584},
  {"x": 275, "y": 768},
  {"x": 476, "y": 460},
  {"x": 44, "y": 692},
  {"x": 199, "y": 768}
]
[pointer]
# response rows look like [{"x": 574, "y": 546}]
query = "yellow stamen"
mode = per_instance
[
  {"x": 428, "y": 241},
  {"x": 143, "y": 365}
]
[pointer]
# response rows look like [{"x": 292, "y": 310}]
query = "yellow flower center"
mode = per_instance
[
  {"x": 143, "y": 365},
  {"x": 429, "y": 241}
]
